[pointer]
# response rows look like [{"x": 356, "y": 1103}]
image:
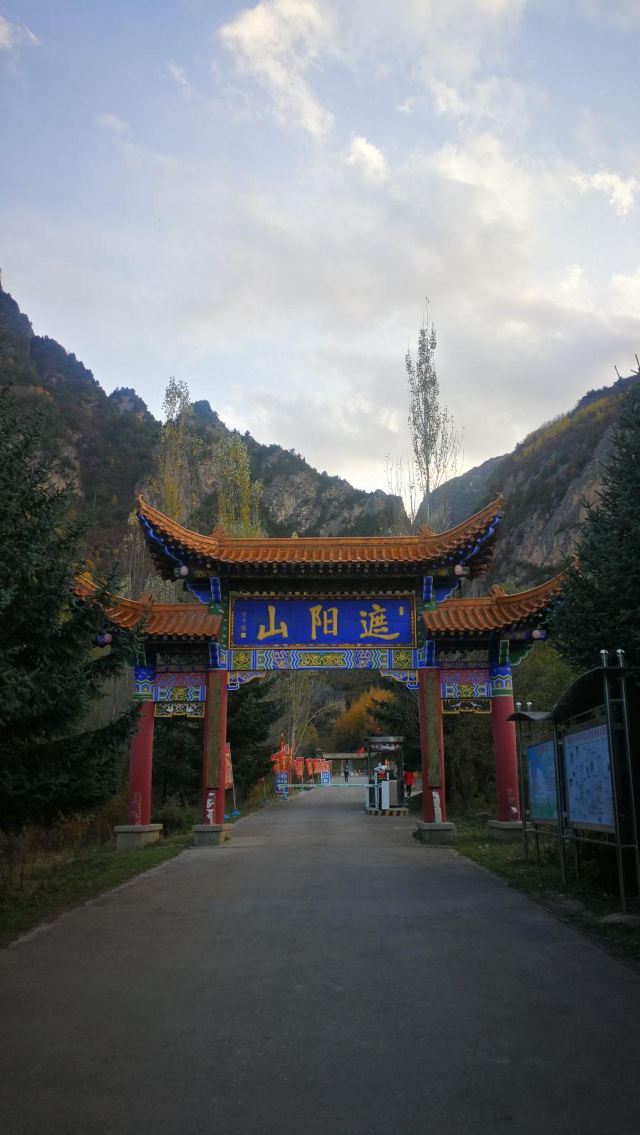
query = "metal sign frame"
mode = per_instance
[{"x": 611, "y": 710}]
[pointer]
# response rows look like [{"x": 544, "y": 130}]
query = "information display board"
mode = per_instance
[
  {"x": 282, "y": 784},
  {"x": 325, "y": 778},
  {"x": 543, "y": 799},
  {"x": 588, "y": 779}
]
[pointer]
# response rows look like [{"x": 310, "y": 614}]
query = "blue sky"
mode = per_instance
[{"x": 256, "y": 198}]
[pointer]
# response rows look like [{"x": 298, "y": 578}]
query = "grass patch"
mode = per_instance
[
  {"x": 52, "y": 885},
  {"x": 583, "y": 902},
  {"x": 46, "y": 871}
]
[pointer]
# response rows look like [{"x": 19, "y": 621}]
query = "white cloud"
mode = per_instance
[
  {"x": 113, "y": 123},
  {"x": 621, "y": 13},
  {"x": 407, "y": 105},
  {"x": 621, "y": 191},
  {"x": 13, "y": 35},
  {"x": 503, "y": 188},
  {"x": 367, "y": 158},
  {"x": 136, "y": 155},
  {"x": 575, "y": 290},
  {"x": 284, "y": 282},
  {"x": 426, "y": 38},
  {"x": 278, "y": 42},
  {"x": 299, "y": 332},
  {"x": 625, "y": 296},
  {"x": 179, "y": 75},
  {"x": 501, "y": 104}
]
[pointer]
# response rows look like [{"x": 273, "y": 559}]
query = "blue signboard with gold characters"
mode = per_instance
[{"x": 271, "y": 621}]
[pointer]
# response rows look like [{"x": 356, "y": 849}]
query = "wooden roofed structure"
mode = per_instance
[
  {"x": 470, "y": 544},
  {"x": 386, "y": 603},
  {"x": 477, "y": 617}
]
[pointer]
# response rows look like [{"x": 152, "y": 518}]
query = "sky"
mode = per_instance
[{"x": 259, "y": 198}]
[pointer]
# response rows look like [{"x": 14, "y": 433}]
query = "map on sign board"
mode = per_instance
[
  {"x": 588, "y": 779},
  {"x": 543, "y": 801}
]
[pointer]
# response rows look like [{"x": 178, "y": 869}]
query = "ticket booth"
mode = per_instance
[{"x": 385, "y": 768}]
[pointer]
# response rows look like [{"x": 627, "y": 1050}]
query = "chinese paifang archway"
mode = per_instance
[{"x": 321, "y": 603}]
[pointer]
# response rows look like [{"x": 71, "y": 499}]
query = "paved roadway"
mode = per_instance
[{"x": 321, "y": 974}]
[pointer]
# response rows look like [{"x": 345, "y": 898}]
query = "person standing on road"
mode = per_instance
[
  {"x": 345, "y": 773},
  {"x": 409, "y": 781}
]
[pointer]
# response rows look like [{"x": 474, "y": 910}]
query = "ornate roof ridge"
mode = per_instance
[
  {"x": 493, "y": 612},
  {"x": 482, "y": 615},
  {"x": 155, "y": 620},
  {"x": 264, "y": 549},
  {"x": 497, "y": 597}
]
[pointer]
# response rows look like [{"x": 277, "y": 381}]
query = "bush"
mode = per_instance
[
  {"x": 176, "y": 817},
  {"x": 37, "y": 849}
]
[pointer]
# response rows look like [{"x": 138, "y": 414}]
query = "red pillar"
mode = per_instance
[
  {"x": 505, "y": 753},
  {"x": 215, "y": 737},
  {"x": 140, "y": 767},
  {"x": 431, "y": 745}
]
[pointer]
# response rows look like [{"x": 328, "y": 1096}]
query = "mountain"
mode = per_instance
[
  {"x": 107, "y": 445},
  {"x": 297, "y": 498},
  {"x": 547, "y": 482},
  {"x": 105, "y": 449},
  {"x": 461, "y": 496}
]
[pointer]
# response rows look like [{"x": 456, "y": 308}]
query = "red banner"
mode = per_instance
[{"x": 282, "y": 759}]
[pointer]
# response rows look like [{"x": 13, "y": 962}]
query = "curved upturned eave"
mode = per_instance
[
  {"x": 170, "y": 621},
  {"x": 483, "y": 616},
  {"x": 170, "y": 543},
  {"x": 492, "y": 613}
]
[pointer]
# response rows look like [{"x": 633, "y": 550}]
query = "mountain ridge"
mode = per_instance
[{"x": 106, "y": 445}]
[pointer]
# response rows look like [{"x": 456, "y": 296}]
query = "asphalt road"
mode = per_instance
[{"x": 323, "y": 973}]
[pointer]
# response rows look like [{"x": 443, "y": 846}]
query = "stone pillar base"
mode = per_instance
[
  {"x": 441, "y": 833},
  {"x": 210, "y": 835},
  {"x": 129, "y": 837},
  {"x": 506, "y": 831}
]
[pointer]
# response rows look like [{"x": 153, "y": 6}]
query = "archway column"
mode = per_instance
[
  {"x": 505, "y": 752},
  {"x": 139, "y": 831},
  {"x": 214, "y": 744},
  {"x": 141, "y": 766},
  {"x": 434, "y": 827}
]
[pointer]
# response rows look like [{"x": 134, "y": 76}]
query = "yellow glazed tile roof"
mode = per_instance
[{"x": 319, "y": 550}]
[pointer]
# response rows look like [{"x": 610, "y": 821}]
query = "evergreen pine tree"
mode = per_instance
[
  {"x": 177, "y": 749},
  {"x": 51, "y": 670},
  {"x": 600, "y": 608},
  {"x": 252, "y": 710}
]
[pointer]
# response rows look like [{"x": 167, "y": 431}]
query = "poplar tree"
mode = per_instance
[
  {"x": 172, "y": 487},
  {"x": 238, "y": 497},
  {"x": 51, "y": 670},
  {"x": 600, "y": 605},
  {"x": 435, "y": 439}
]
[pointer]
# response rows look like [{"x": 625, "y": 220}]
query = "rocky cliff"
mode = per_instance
[
  {"x": 547, "y": 481},
  {"x": 107, "y": 445}
]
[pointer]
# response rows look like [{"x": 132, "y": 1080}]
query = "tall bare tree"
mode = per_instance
[
  {"x": 436, "y": 441},
  {"x": 307, "y": 697}
]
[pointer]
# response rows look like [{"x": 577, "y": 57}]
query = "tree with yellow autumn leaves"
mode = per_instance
[{"x": 358, "y": 722}]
